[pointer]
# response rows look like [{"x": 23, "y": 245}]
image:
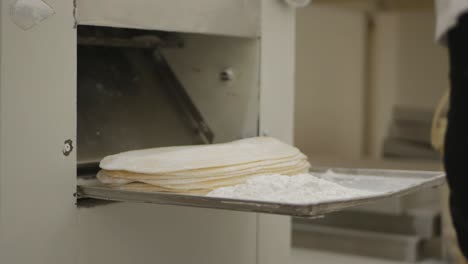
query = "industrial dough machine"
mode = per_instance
[{"x": 86, "y": 78}]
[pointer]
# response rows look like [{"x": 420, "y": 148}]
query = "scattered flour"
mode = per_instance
[{"x": 298, "y": 189}]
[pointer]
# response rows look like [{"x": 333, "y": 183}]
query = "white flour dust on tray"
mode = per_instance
[{"x": 298, "y": 189}]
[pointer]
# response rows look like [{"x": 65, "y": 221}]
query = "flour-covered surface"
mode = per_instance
[
  {"x": 299, "y": 189},
  {"x": 308, "y": 195},
  {"x": 379, "y": 183}
]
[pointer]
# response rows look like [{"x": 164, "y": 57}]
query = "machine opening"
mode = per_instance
[{"x": 142, "y": 89}]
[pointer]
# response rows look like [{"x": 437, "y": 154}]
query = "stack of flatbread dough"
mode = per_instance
[{"x": 202, "y": 168}]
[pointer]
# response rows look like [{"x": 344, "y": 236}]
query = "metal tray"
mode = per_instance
[{"x": 386, "y": 184}]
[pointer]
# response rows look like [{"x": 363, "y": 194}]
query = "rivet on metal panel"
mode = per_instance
[
  {"x": 227, "y": 75},
  {"x": 67, "y": 147},
  {"x": 28, "y": 13}
]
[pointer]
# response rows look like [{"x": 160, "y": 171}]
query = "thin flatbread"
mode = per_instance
[
  {"x": 173, "y": 159},
  {"x": 213, "y": 184},
  {"x": 143, "y": 187},
  {"x": 111, "y": 177},
  {"x": 200, "y": 169},
  {"x": 212, "y": 172},
  {"x": 178, "y": 184}
]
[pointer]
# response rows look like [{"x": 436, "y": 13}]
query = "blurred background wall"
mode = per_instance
[
  {"x": 368, "y": 78},
  {"x": 360, "y": 66}
]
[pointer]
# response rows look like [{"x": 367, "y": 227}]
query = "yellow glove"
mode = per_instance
[{"x": 439, "y": 123}]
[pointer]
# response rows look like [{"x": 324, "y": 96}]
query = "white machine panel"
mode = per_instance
[
  {"x": 147, "y": 233},
  {"x": 221, "y": 17},
  {"x": 230, "y": 106},
  {"x": 39, "y": 221}
]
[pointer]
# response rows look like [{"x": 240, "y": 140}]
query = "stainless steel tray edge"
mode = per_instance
[{"x": 434, "y": 179}]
